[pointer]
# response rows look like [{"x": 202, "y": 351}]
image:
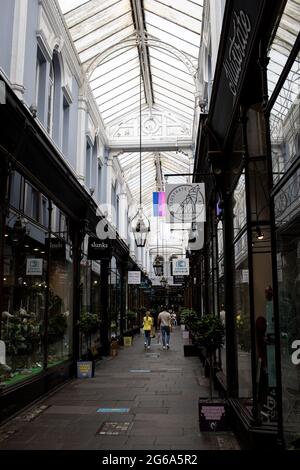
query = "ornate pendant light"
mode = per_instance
[{"x": 140, "y": 222}]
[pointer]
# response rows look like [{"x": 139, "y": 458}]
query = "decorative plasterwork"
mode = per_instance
[
  {"x": 91, "y": 130},
  {"x": 163, "y": 124},
  {"x": 48, "y": 41}
]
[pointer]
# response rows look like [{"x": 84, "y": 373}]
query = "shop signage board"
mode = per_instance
[
  {"x": 212, "y": 415},
  {"x": 178, "y": 279},
  {"x": 181, "y": 267},
  {"x": 99, "y": 249},
  {"x": 134, "y": 277},
  {"x": 185, "y": 203},
  {"x": 84, "y": 369},
  {"x": 57, "y": 248},
  {"x": 242, "y": 20},
  {"x": 34, "y": 266}
]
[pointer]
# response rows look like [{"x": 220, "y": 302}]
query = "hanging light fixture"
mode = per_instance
[
  {"x": 140, "y": 222},
  {"x": 158, "y": 264},
  {"x": 259, "y": 235}
]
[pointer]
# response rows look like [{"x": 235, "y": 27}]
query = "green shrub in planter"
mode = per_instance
[
  {"x": 210, "y": 334},
  {"x": 88, "y": 323}
]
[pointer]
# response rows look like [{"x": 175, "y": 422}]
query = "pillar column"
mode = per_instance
[
  {"x": 81, "y": 137},
  {"x": 123, "y": 206},
  {"x": 108, "y": 184},
  {"x": 19, "y": 47},
  {"x": 104, "y": 292}
]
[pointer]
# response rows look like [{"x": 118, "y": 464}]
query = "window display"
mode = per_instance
[
  {"x": 242, "y": 309},
  {"x": 60, "y": 301},
  {"x": 37, "y": 323},
  {"x": 24, "y": 294}
]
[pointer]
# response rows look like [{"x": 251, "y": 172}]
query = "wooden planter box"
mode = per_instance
[{"x": 213, "y": 415}]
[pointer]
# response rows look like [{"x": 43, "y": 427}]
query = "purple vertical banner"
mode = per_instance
[{"x": 159, "y": 204}]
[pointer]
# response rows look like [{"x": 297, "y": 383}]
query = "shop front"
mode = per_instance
[
  {"x": 237, "y": 261},
  {"x": 47, "y": 281},
  {"x": 283, "y": 115}
]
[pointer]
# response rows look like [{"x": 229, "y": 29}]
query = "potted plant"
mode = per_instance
[
  {"x": 212, "y": 411},
  {"x": 88, "y": 324},
  {"x": 191, "y": 320}
]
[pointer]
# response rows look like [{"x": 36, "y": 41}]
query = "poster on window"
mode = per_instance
[
  {"x": 134, "y": 277},
  {"x": 34, "y": 267},
  {"x": 185, "y": 203}
]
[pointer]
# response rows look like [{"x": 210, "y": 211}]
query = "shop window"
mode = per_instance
[
  {"x": 32, "y": 202},
  {"x": 40, "y": 86},
  {"x": 288, "y": 274},
  {"x": 99, "y": 183},
  {"x": 88, "y": 166},
  {"x": 241, "y": 292},
  {"x": 60, "y": 309},
  {"x": 16, "y": 197},
  {"x": 50, "y": 100},
  {"x": 284, "y": 124},
  {"x": 24, "y": 299},
  {"x": 66, "y": 125}
]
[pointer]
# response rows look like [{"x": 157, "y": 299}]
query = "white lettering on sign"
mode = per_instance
[
  {"x": 213, "y": 412},
  {"x": 237, "y": 49},
  {"x": 296, "y": 354},
  {"x": 99, "y": 245}
]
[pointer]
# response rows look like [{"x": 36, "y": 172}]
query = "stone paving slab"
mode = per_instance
[{"x": 163, "y": 406}]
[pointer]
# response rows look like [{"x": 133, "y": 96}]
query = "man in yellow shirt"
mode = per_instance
[{"x": 147, "y": 325}]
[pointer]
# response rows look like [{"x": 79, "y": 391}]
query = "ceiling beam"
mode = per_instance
[
  {"x": 150, "y": 145},
  {"x": 138, "y": 19}
]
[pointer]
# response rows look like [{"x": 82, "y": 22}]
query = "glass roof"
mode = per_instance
[
  {"x": 122, "y": 43},
  {"x": 284, "y": 40}
]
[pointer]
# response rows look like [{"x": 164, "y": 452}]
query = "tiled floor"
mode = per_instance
[{"x": 161, "y": 391}]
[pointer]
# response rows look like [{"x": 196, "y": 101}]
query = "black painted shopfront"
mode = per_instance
[
  {"x": 251, "y": 249},
  {"x": 47, "y": 279}
]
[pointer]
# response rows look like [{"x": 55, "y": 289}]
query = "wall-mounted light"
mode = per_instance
[{"x": 259, "y": 235}]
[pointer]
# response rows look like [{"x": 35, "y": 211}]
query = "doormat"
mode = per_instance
[
  {"x": 113, "y": 410},
  {"x": 33, "y": 414},
  {"x": 109, "y": 428}
]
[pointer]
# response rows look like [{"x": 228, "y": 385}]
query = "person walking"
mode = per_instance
[
  {"x": 147, "y": 325},
  {"x": 164, "y": 322}
]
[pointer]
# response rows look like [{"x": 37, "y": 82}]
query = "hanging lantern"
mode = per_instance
[
  {"x": 158, "y": 265},
  {"x": 140, "y": 228}
]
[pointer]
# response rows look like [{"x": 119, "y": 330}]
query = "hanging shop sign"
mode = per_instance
[
  {"x": 134, "y": 277},
  {"x": 99, "y": 249},
  {"x": 241, "y": 26},
  {"x": 57, "y": 248},
  {"x": 185, "y": 203},
  {"x": 181, "y": 267},
  {"x": 178, "y": 279},
  {"x": 34, "y": 266}
]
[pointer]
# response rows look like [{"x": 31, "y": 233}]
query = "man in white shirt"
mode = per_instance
[{"x": 164, "y": 322}]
